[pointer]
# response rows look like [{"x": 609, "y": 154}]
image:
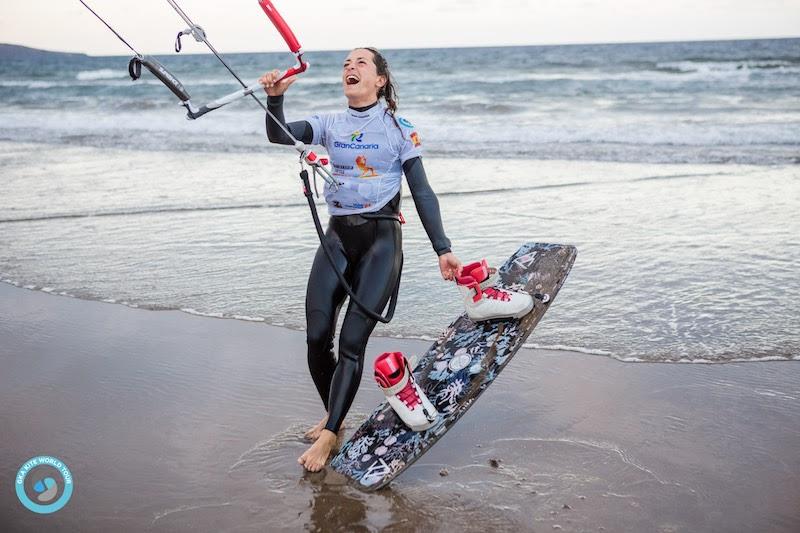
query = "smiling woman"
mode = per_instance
[
  {"x": 353, "y": 69},
  {"x": 370, "y": 149}
]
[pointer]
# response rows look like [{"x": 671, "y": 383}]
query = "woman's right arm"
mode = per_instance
[{"x": 300, "y": 130}]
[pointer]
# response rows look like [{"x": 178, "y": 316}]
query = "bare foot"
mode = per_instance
[
  {"x": 314, "y": 458},
  {"x": 313, "y": 433}
]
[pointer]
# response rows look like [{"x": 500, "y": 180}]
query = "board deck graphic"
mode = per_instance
[{"x": 454, "y": 372}]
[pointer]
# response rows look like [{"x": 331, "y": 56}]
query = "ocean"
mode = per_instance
[{"x": 673, "y": 167}]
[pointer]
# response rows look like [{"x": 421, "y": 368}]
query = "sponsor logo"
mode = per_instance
[
  {"x": 337, "y": 204},
  {"x": 376, "y": 472},
  {"x": 366, "y": 170},
  {"x": 415, "y": 139},
  {"x": 525, "y": 260},
  {"x": 356, "y": 146},
  {"x": 44, "y": 484},
  {"x": 405, "y": 123},
  {"x": 342, "y": 167},
  {"x": 357, "y": 136},
  {"x": 459, "y": 361}
]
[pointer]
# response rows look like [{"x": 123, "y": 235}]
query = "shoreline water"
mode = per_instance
[
  {"x": 423, "y": 338},
  {"x": 173, "y": 422},
  {"x": 690, "y": 278}
]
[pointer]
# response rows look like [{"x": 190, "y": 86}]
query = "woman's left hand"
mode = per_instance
[{"x": 449, "y": 265}]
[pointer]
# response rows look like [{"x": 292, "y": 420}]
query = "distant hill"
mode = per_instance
[{"x": 10, "y": 52}]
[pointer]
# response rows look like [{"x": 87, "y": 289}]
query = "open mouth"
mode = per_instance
[{"x": 351, "y": 79}]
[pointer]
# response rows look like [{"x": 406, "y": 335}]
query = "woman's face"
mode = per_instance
[{"x": 360, "y": 77}]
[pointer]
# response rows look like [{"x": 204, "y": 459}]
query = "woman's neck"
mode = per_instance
[{"x": 363, "y": 107}]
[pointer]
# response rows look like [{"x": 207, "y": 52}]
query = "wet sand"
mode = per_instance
[{"x": 173, "y": 422}]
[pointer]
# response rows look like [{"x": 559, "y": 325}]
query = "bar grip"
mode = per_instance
[
  {"x": 280, "y": 24},
  {"x": 159, "y": 71}
]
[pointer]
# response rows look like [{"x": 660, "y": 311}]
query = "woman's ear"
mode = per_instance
[{"x": 381, "y": 82}]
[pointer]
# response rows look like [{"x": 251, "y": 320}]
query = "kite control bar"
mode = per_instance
[
  {"x": 308, "y": 157},
  {"x": 173, "y": 83},
  {"x": 200, "y": 36},
  {"x": 193, "y": 112}
]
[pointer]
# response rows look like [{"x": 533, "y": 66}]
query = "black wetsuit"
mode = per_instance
[{"x": 369, "y": 253}]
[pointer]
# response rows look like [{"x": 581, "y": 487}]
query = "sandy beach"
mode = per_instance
[{"x": 174, "y": 422}]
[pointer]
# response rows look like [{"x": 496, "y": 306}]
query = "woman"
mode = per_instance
[{"x": 369, "y": 147}]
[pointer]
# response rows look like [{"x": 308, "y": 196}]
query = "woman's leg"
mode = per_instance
[
  {"x": 374, "y": 280},
  {"x": 324, "y": 297}
]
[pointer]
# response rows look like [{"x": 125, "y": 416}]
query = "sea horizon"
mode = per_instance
[{"x": 453, "y": 47}]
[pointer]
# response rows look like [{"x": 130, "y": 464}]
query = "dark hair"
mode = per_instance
[{"x": 387, "y": 92}]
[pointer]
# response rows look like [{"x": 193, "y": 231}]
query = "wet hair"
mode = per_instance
[{"x": 387, "y": 92}]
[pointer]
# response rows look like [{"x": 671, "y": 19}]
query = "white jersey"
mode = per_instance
[{"x": 367, "y": 151}]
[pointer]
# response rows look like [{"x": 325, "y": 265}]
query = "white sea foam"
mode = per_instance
[
  {"x": 32, "y": 84},
  {"x": 565, "y": 348},
  {"x": 554, "y": 347},
  {"x": 727, "y": 67},
  {"x": 247, "y": 318},
  {"x": 650, "y": 359},
  {"x": 101, "y": 74}
]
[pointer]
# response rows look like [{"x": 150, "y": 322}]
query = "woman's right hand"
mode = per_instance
[{"x": 273, "y": 87}]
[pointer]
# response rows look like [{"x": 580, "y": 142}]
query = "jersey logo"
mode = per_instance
[
  {"x": 355, "y": 145},
  {"x": 357, "y": 136},
  {"x": 415, "y": 139},
  {"x": 405, "y": 123},
  {"x": 366, "y": 170}
]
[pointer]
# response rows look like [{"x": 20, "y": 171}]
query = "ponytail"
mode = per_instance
[{"x": 387, "y": 92}]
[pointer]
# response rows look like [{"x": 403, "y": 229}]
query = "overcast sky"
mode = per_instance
[{"x": 241, "y": 26}]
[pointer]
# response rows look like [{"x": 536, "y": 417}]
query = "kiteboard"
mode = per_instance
[{"x": 456, "y": 370}]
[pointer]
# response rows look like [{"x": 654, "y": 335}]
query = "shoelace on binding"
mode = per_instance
[
  {"x": 497, "y": 294},
  {"x": 408, "y": 395}
]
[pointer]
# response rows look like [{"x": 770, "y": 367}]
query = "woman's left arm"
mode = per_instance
[{"x": 428, "y": 208}]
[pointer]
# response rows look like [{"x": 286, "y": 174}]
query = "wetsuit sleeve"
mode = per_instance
[
  {"x": 427, "y": 204},
  {"x": 301, "y": 129}
]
